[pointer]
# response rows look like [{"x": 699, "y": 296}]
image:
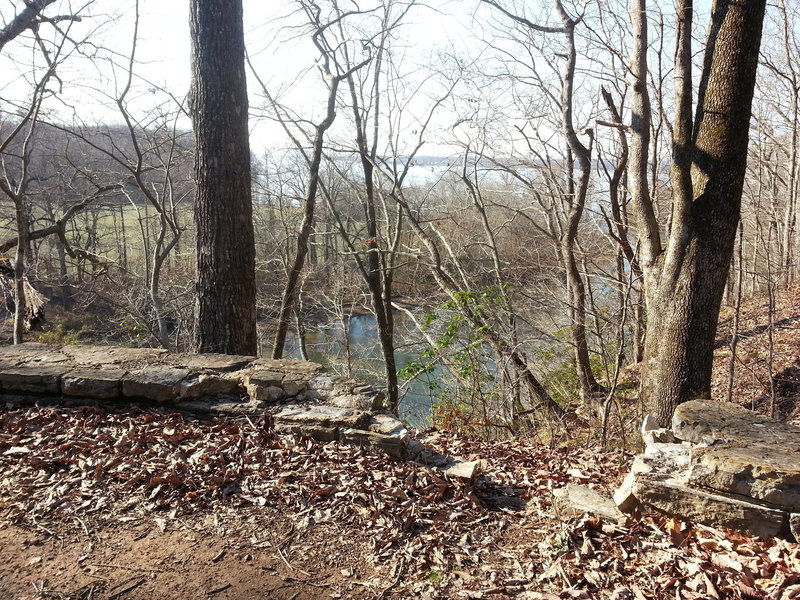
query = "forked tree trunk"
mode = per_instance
[
  {"x": 686, "y": 282},
  {"x": 226, "y": 290}
]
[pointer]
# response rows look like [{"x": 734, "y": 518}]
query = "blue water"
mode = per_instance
[{"x": 326, "y": 345}]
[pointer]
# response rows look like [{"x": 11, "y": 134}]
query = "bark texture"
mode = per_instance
[
  {"x": 686, "y": 281},
  {"x": 226, "y": 291}
]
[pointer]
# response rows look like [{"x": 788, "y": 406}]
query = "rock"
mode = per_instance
[
  {"x": 264, "y": 378},
  {"x": 748, "y": 454},
  {"x": 624, "y": 496},
  {"x": 574, "y": 499},
  {"x": 322, "y": 416},
  {"x": 208, "y": 362},
  {"x": 649, "y": 423},
  {"x": 292, "y": 388},
  {"x": 392, "y": 445},
  {"x": 93, "y": 383},
  {"x": 653, "y": 434},
  {"x": 321, "y": 383},
  {"x": 308, "y": 369},
  {"x": 376, "y": 398},
  {"x": 794, "y": 526},
  {"x": 45, "y": 358},
  {"x": 667, "y": 457},
  {"x": 310, "y": 395},
  {"x": 356, "y": 401},
  {"x": 205, "y": 384},
  {"x": 317, "y": 432},
  {"x": 743, "y": 471},
  {"x": 160, "y": 384},
  {"x": 264, "y": 394},
  {"x": 706, "y": 421},
  {"x": 387, "y": 425},
  {"x": 98, "y": 356},
  {"x": 345, "y": 385},
  {"x": 206, "y": 405},
  {"x": 26, "y": 351},
  {"x": 769, "y": 474},
  {"x": 268, "y": 395},
  {"x": 264, "y": 386},
  {"x": 38, "y": 379},
  {"x": 425, "y": 456},
  {"x": 673, "y": 496},
  {"x": 466, "y": 471}
]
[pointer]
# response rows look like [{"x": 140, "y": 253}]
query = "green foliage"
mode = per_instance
[
  {"x": 435, "y": 577},
  {"x": 464, "y": 350},
  {"x": 60, "y": 335},
  {"x": 561, "y": 380}
]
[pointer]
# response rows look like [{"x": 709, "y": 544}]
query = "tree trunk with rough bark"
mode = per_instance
[
  {"x": 685, "y": 282},
  {"x": 226, "y": 290}
]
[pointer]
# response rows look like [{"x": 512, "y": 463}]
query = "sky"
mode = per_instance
[{"x": 282, "y": 60}]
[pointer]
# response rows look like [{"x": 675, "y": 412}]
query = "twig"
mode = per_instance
[
  {"x": 397, "y": 577},
  {"x": 86, "y": 529},
  {"x": 291, "y": 568},
  {"x": 43, "y": 528},
  {"x": 221, "y": 588},
  {"x": 125, "y": 590},
  {"x": 113, "y": 566},
  {"x": 306, "y": 582},
  {"x": 219, "y": 556}
]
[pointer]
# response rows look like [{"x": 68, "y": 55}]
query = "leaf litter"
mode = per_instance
[{"x": 392, "y": 529}]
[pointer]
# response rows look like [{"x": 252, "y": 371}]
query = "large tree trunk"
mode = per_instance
[
  {"x": 226, "y": 290},
  {"x": 686, "y": 281}
]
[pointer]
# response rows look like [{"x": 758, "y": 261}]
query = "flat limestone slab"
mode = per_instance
[
  {"x": 387, "y": 425},
  {"x": 322, "y": 416},
  {"x": 27, "y": 351},
  {"x": 357, "y": 401},
  {"x": 392, "y": 445},
  {"x": 207, "y": 384},
  {"x": 574, "y": 499},
  {"x": 99, "y": 356},
  {"x": 160, "y": 384},
  {"x": 673, "y": 496},
  {"x": 768, "y": 474},
  {"x": 208, "y": 362},
  {"x": 93, "y": 383},
  {"x": 707, "y": 421},
  {"x": 749, "y": 454},
  {"x": 287, "y": 366},
  {"x": 317, "y": 432},
  {"x": 36, "y": 379}
]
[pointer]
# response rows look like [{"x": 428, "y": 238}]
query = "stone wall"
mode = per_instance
[
  {"x": 202, "y": 382},
  {"x": 299, "y": 397}
]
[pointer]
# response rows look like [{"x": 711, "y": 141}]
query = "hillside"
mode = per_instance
[
  {"x": 754, "y": 364},
  {"x": 132, "y": 503}
]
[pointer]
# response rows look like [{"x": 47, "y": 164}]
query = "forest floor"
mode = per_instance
[{"x": 131, "y": 503}]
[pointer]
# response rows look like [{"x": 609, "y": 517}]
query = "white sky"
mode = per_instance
[
  {"x": 90, "y": 85},
  {"x": 163, "y": 57}
]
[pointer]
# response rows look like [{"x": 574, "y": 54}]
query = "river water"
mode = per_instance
[{"x": 328, "y": 344}]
